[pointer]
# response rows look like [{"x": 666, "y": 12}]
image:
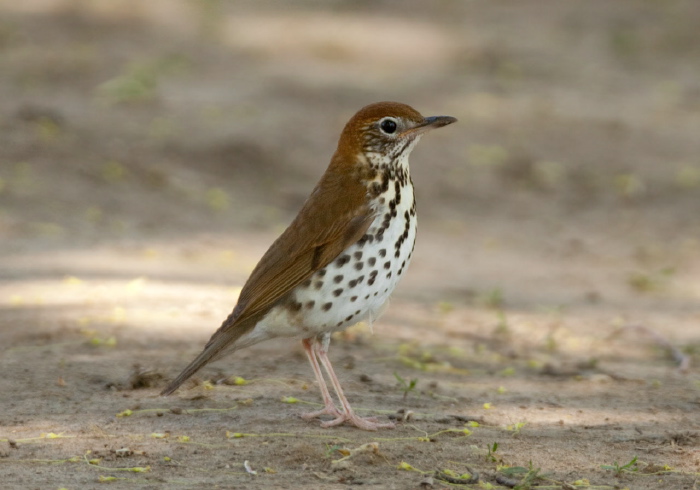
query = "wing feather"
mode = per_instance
[{"x": 335, "y": 216}]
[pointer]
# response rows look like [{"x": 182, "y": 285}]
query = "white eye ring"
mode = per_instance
[{"x": 388, "y": 125}]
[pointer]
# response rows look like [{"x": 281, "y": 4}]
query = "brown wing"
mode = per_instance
[{"x": 335, "y": 216}]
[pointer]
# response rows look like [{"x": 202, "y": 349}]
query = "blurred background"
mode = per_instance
[
  {"x": 150, "y": 152},
  {"x": 176, "y": 126}
]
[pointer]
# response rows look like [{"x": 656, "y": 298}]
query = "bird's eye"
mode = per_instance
[{"x": 388, "y": 126}]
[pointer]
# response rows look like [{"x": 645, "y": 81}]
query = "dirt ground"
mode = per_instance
[{"x": 151, "y": 151}]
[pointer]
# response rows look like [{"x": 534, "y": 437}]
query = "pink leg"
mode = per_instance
[
  {"x": 348, "y": 414},
  {"x": 330, "y": 408}
]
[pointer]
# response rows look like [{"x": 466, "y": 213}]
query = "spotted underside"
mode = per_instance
[{"x": 355, "y": 286}]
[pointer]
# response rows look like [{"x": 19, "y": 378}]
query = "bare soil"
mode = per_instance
[{"x": 151, "y": 151}]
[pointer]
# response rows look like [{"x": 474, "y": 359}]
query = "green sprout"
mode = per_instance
[
  {"x": 629, "y": 467},
  {"x": 407, "y": 387}
]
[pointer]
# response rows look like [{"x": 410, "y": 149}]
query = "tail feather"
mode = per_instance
[
  {"x": 200, "y": 361},
  {"x": 221, "y": 343}
]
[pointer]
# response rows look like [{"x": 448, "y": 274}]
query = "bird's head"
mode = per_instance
[{"x": 385, "y": 132}]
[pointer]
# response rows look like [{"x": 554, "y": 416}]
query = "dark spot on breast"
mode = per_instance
[
  {"x": 353, "y": 299},
  {"x": 388, "y": 275},
  {"x": 295, "y": 306},
  {"x": 327, "y": 306},
  {"x": 310, "y": 304},
  {"x": 359, "y": 265},
  {"x": 337, "y": 292},
  {"x": 348, "y": 318},
  {"x": 382, "y": 252},
  {"x": 385, "y": 182},
  {"x": 318, "y": 284},
  {"x": 357, "y": 312},
  {"x": 370, "y": 281},
  {"x": 337, "y": 279},
  {"x": 321, "y": 273},
  {"x": 353, "y": 283},
  {"x": 387, "y": 264},
  {"x": 373, "y": 274},
  {"x": 357, "y": 255},
  {"x": 397, "y": 254},
  {"x": 342, "y": 260},
  {"x": 371, "y": 261},
  {"x": 306, "y": 283}
]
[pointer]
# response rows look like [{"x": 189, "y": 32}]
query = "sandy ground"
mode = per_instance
[{"x": 150, "y": 152}]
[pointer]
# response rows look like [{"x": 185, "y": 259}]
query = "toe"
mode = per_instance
[
  {"x": 332, "y": 411},
  {"x": 369, "y": 423}
]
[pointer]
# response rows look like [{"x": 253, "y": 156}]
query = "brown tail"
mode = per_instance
[
  {"x": 201, "y": 360},
  {"x": 223, "y": 342}
]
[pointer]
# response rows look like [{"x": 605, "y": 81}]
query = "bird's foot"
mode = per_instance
[
  {"x": 327, "y": 410},
  {"x": 364, "y": 423}
]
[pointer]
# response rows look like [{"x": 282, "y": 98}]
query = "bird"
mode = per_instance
[{"x": 341, "y": 257}]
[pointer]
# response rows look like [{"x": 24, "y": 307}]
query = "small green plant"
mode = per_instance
[
  {"x": 330, "y": 449},
  {"x": 493, "y": 299},
  {"x": 629, "y": 467},
  {"x": 407, "y": 387},
  {"x": 645, "y": 282},
  {"x": 688, "y": 177},
  {"x": 629, "y": 186},
  {"x": 445, "y": 307},
  {"x": 516, "y": 428},
  {"x": 491, "y": 455},
  {"x": 530, "y": 478},
  {"x": 140, "y": 81},
  {"x": 642, "y": 282},
  {"x": 530, "y": 475}
]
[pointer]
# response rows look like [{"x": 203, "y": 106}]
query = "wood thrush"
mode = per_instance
[{"x": 342, "y": 256}]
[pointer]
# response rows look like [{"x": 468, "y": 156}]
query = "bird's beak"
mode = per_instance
[{"x": 429, "y": 123}]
